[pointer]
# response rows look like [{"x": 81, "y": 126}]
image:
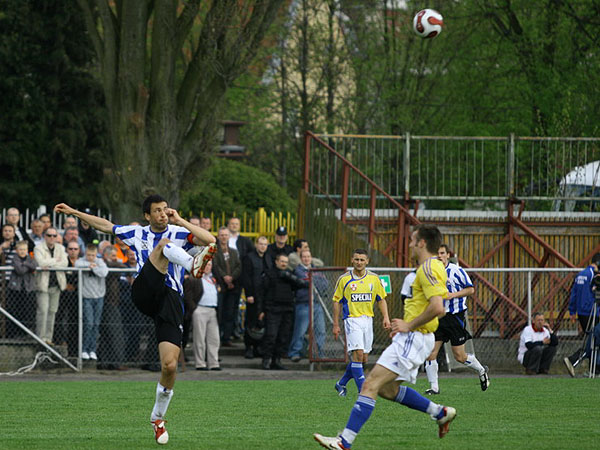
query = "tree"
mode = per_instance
[
  {"x": 165, "y": 66},
  {"x": 53, "y": 131}
]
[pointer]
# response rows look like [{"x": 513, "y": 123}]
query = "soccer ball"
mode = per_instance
[{"x": 428, "y": 23}]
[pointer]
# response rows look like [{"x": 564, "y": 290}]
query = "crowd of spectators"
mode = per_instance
[{"x": 269, "y": 281}]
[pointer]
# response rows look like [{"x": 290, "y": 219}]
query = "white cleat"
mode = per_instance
[
  {"x": 444, "y": 422},
  {"x": 201, "y": 259},
  {"x": 160, "y": 432},
  {"x": 332, "y": 443}
]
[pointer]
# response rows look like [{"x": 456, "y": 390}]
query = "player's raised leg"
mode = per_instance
[{"x": 166, "y": 252}]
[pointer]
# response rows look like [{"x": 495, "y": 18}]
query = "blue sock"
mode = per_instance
[
  {"x": 360, "y": 414},
  {"x": 358, "y": 374},
  {"x": 411, "y": 398},
  {"x": 347, "y": 375}
]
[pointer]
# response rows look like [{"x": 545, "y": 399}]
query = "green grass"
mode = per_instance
[{"x": 515, "y": 413}]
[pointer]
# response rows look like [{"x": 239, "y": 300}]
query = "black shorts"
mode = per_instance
[
  {"x": 452, "y": 328},
  {"x": 155, "y": 299}
]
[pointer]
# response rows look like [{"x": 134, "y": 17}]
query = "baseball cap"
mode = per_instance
[{"x": 281, "y": 231}]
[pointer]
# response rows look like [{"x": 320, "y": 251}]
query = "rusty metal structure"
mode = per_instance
[{"x": 504, "y": 202}]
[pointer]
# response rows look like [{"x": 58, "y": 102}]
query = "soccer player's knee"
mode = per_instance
[
  {"x": 461, "y": 358},
  {"x": 169, "y": 365}
]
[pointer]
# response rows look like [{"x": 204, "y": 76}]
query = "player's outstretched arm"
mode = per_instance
[
  {"x": 201, "y": 236},
  {"x": 96, "y": 222}
]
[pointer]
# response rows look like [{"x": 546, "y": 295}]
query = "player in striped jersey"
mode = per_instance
[
  {"x": 157, "y": 291},
  {"x": 355, "y": 293},
  {"x": 452, "y": 325},
  {"x": 412, "y": 342}
]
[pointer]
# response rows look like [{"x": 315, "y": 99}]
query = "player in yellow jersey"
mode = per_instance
[
  {"x": 412, "y": 342},
  {"x": 355, "y": 293}
]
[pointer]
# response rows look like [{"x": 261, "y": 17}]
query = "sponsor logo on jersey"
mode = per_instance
[{"x": 366, "y": 297}]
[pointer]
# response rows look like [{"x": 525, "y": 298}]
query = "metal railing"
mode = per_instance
[{"x": 500, "y": 308}]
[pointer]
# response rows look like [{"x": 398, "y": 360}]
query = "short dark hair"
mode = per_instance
[
  {"x": 154, "y": 198},
  {"x": 279, "y": 255},
  {"x": 596, "y": 259},
  {"x": 298, "y": 243},
  {"x": 361, "y": 251},
  {"x": 431, "y": 235},
  {"x": 445, "y": 247},
  {"x": 535, "y": 314},
  {"x": 9, "y": 225},
  {"x": 91, "y": 246}
]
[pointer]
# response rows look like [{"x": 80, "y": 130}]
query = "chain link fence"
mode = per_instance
[
  {"x": 501, "y": 307},
  {"x": 125, "y": 336}
]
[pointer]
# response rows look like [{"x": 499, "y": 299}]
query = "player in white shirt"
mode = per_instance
[
  {"x": 452, "y": 325},
  {"x": 157, "y": 291}
]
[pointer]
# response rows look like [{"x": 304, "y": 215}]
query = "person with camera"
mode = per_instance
[{"x": 581, "y": 304}]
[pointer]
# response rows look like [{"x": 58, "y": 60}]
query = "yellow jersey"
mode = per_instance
[
  {"x": 430, "y": 281},
  {"x": 357, "y": 295}
]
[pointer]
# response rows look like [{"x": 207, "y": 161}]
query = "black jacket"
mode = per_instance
[
  {"x": 273, "y": 251},
  {"x": 253, "y": 276},
  {"x": 279, "y": 288},
  {"x": 244, "y": 246}
]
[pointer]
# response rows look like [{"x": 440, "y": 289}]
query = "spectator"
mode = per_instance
[
  {"x": 93, "y": 290},
  {"x": 242, "y": 244},
  {"x": 122, "y": 249},
  {"x": 203, "y": 295},
  {"x": 66, "y": 331},
  {"x": 302, "y": 312},
  {"x": 46, "y": 220},
  {"x": 580, "y": 306},
  {"x": 195, "y": 220},
  {"x": 13, "y": 217},
  {"x": 50, "y": 283},
  {"x": 21, "y": 288},
  {"x": 205, "y": 223},
  {"x": 537, "y": 346},
  {"x": 254, "y": 266},
  {"x": 294, "y": 258},
  {"x": 227, "y": 270},
  {"x": 37, "y": 232},
  {"x": 280, "y": 245},
  {"x": 71, "y": 234},
  {"x": 87, "y": 233},
  {"x": 9, "y": 242},
  {"x": 278, "y": 312},
  {"x": 69, "y": 222},
  {"x": 111, "y": 348},
  {"x": 103, "y": 245}
]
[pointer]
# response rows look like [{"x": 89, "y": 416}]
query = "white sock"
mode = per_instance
[
  {"x": 431, "y": 367},
  {"x": 473, "y": 363},
  {"x": 177, "y": 255},
  {"x": 433, "y": 410},
  {"x": 163, "y": 397}
]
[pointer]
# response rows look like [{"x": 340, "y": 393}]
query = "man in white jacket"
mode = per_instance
[{"x": 49, "y": 255}]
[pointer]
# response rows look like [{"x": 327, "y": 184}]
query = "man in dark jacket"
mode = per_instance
[
  {"x": 280, "y": 245},
  {"x": 254, "y": 265},
  {"x": 278, "y": 312}
]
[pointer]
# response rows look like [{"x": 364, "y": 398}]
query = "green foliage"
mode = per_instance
[
  {"x": 515, "y": 412},
  {"x": 52, "y": 130},
  {"x": 232, "y": 186}
]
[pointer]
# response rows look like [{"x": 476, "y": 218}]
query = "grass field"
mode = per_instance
[{"x": 515, "y": 413}]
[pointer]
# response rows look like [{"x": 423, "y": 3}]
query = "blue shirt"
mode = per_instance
[
  {"x": 457, "y": 281},
  {"x": 582, "y": 296},
  {"x": 142, "y": 241}
]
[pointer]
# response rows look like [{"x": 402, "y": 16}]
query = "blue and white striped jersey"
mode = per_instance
[
  {"x": 457, "y": 280},
  {"x": 142, "y": 241}
]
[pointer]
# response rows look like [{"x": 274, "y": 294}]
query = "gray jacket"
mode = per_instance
[
  {"x": 94, "y": 281},
  {"x": 21, "y": 277}
]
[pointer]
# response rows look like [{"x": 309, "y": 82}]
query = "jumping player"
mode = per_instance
[
  {"x": 412, "y": 343},
  {"x": 452, "y": 325},
  {"x": 355, "y": 293},
  {"x": 157, "y": 291}
]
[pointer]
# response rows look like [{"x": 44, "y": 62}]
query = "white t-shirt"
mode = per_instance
[
  {"x": 406, "y": 290},
  {"x": 530, "y": 335}
]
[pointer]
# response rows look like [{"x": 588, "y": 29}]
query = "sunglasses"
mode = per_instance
[{"x": 51, "y": 235}]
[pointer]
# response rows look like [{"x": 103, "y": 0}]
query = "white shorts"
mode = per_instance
[
  {"x": 359, "y": 333},
  {"x": 406, "y": 353}
]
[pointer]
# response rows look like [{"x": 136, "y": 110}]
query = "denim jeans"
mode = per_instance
[
  {"x": 92, "y": 314},
  {"x": 301, "y": 322}
]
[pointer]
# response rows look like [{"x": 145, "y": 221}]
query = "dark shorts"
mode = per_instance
[
  {"x": 452, "y": 328},
  {"x": 155, "y": 299}
]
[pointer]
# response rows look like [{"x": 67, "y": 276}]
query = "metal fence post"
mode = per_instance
[
  {"x": 529, "y": 280},
  {"x": 510, "y": 166},
  {"x": 79, "y": 319}
]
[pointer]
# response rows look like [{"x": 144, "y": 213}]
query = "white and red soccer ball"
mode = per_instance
[{"x": 428, "y": 23}]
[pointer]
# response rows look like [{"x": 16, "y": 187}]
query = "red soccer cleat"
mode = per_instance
[
  {"x": 444, "y": 422},
  {"x": 201, "y": 259},
  {"x": 160, "y": 432}
]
